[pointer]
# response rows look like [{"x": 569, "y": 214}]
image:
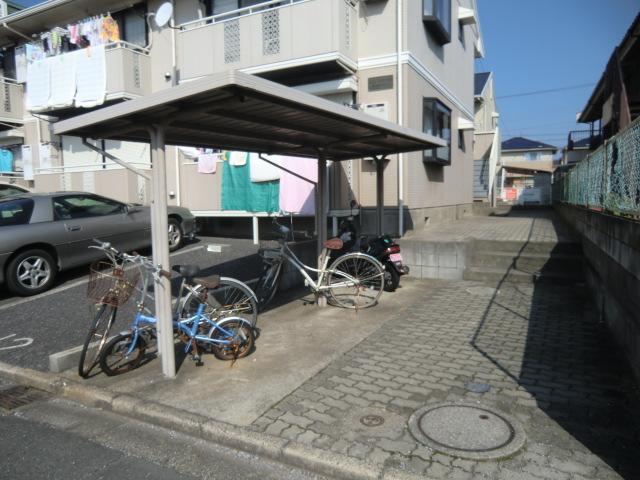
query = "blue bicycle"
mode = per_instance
[{"x": 214, "y": 326}]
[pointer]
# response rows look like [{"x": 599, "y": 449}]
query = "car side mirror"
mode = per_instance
[{"x": 131, "y": 209}]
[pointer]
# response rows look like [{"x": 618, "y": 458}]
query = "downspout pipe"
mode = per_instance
[
  {"x": 400, "y": 109},
  {"x": 13, "y": 30}
]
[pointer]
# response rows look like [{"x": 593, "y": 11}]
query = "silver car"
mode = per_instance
[{"x": 42, "y": 234}]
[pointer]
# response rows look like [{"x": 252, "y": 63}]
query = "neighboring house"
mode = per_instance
[
  {"x": 486, "y": 139},
  {"x": 344, "y": 50},
  {"x": 525, "y": 176},
  {"x": 615, "y": 101},
  {"x": 576, "y": 150}
]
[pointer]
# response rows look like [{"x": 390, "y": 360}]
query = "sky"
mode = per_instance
[{"x": 547, "y": 44}]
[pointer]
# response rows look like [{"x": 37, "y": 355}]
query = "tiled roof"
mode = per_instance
[
  {"x": 479, "y": 81},
  {"x": 521, "y": 143}
]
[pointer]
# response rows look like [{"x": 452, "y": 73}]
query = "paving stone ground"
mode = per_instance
[{"x": 549, "y": 362}]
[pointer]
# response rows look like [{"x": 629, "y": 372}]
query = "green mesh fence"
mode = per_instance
[{"x": 608, "y": 178}]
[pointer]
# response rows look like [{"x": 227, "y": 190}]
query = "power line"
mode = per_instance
[{"x": 551, "y": 90}]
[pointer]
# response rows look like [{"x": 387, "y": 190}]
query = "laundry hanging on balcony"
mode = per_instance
[
  {"x": 298, "y": 195},
  {"x": 63, "y": 71},
  {"x": 262, "y": 171},
  {"x": 239, "y": 193},
  {"x": 91, "y": 77},
  {"x": 6, "y": 160}
]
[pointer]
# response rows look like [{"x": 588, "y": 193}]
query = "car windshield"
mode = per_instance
[
  {"x": 8, "y": 190},
  {"x": 15, "y": 212}
]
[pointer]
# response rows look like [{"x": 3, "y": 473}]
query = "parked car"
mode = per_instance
[
  {"x": 44, "y": 233},
  {"x": 7, "y": 189}
]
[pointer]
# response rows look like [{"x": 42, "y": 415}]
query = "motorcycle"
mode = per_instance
[{"x": 381, "y": 247}]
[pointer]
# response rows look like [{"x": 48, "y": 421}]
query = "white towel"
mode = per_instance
[
  {"x": 38, "y": 84},
  {"x": 207, "y": 163},
  {"x": 261, "y": 171},
  {"x": 63, "y": 79},
  {"x": 91, "y": 77},
  {"x": 237, "y": 159}
]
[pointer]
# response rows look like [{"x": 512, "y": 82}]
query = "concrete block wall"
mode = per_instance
[
  {"x": 435, "y": 259},
  {"x": 611, "y": 247}
]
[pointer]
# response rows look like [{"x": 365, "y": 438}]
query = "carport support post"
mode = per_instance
[
  {"x": 321, "y": 219},
  {"x": 160, "y": 246},
  {"x": 380, "y": 193}
]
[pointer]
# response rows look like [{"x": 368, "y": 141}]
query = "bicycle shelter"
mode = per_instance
[{"x": 238, "y": 111}]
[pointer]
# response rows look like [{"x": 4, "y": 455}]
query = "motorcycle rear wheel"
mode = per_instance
[{"x": 391, "y": 278}]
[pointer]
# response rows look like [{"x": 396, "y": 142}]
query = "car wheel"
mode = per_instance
[
  {"x": 31, "y": 272},
  {"x": 176, "y": 236}
]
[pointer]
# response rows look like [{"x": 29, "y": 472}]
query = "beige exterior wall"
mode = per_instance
[
  {"x": 431, "y": 185},
  {"x": 516, "y": 159}
]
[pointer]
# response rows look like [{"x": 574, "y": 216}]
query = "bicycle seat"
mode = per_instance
[
  {"x": 187, "y": 271},
  {"x": 210, "y": 282},
  {"x": 333, "y": 244}
]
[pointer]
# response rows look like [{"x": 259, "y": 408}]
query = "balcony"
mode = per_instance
[
  {"x": 127, "y": 70},
  {"x": 584, "y": 139},
  {"x": 272, "y": 36},
  {"x": 11, "y": 101}
]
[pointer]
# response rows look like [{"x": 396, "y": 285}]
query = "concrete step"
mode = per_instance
[
  {"x": 528, "y": 262},
  {"x": 495, "y": 275},
  {"x": 519, "y": 246}
]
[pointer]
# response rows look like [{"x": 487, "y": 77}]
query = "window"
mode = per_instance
[
  {"x": 84, "y": 206},
  {"x": 16, "y": 212},
  {"x": 8, "y": 190},
  {"x": 218, "y": 7},
  {"x": 132, "y": 25},
  {"x": 436, "y": 15},
  {"x": 461, "y": 145},
  {"x": 532, "y": 156},
  {"x": 436, "y": 118},
  {"x": 461, "y": 34}
]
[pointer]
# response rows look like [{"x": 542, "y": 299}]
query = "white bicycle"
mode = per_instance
[{"x": 354, "y": 280}]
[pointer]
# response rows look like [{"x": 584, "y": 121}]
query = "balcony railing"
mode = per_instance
[
  {"x": 11, "y": 100},
  {"x": 270, "y": 35},
  {"x": 589, "y": 139}
]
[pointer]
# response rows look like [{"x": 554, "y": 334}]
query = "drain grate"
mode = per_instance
[
  {"x": 19, "y": 396},
  {"x": 467, "y": 431},
  {"x": 372, "y": 420}
]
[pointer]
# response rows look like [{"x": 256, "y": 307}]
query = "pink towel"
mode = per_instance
[
  {"x": 297, "y": 195},
  {"x": 207, "y": 163}
]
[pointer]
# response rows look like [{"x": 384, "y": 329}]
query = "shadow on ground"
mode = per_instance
[{"x": 568, "y": 366}]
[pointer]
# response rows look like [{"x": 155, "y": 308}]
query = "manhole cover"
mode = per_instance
[
  {"x": 372, "y": 420},
  {"x": 467, "y": 431},
  {"x": 484, "y": 291},
  {"x": 19, "y": 396}
]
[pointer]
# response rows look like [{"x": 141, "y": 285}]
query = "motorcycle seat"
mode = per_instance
[
  {"x": 333, "y": 244},
  {"x": 210, "y": 282}
]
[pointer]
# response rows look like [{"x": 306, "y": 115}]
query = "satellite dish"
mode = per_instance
[{"x": 164, "y": 14}]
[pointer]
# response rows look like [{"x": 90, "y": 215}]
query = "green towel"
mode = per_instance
[{"x": 240, "y": 193}]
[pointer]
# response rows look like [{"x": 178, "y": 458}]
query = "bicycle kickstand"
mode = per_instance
[{"x": 196, "y": 356}]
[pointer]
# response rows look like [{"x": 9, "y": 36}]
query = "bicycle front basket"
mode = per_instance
[{"x": 111, "y": 285}]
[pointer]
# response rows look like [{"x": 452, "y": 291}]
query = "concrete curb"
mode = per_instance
[{"x": 279, "y": 449}]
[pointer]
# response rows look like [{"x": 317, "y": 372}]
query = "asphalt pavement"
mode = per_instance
[
  {"x": 32, "y": 328},
  {"x": 58, "y": 439}
]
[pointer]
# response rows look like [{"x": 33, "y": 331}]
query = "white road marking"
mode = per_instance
[
  {"x": 26, "y": 341},
  {"x": 67, "y": 286}
]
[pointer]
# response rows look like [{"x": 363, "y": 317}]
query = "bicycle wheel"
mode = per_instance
[
  {"x": 231, "y": 298},
  {"x": 96, "y": 339},
  {"x": 241, "y": 339},
  {"x": 115, "y": 361},
  {"x": 267, "y": 285},
  {"x": 356, "y": 281}
]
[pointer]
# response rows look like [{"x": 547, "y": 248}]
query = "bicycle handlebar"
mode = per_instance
[{"x": 134, "y": 258}]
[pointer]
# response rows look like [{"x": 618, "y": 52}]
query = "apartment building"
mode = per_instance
[
  {"x": 408, "y": 61},
  {"x": 486, "y": 139}
]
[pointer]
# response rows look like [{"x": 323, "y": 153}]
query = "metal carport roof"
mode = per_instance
[{"x": 237, "y": 111}]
